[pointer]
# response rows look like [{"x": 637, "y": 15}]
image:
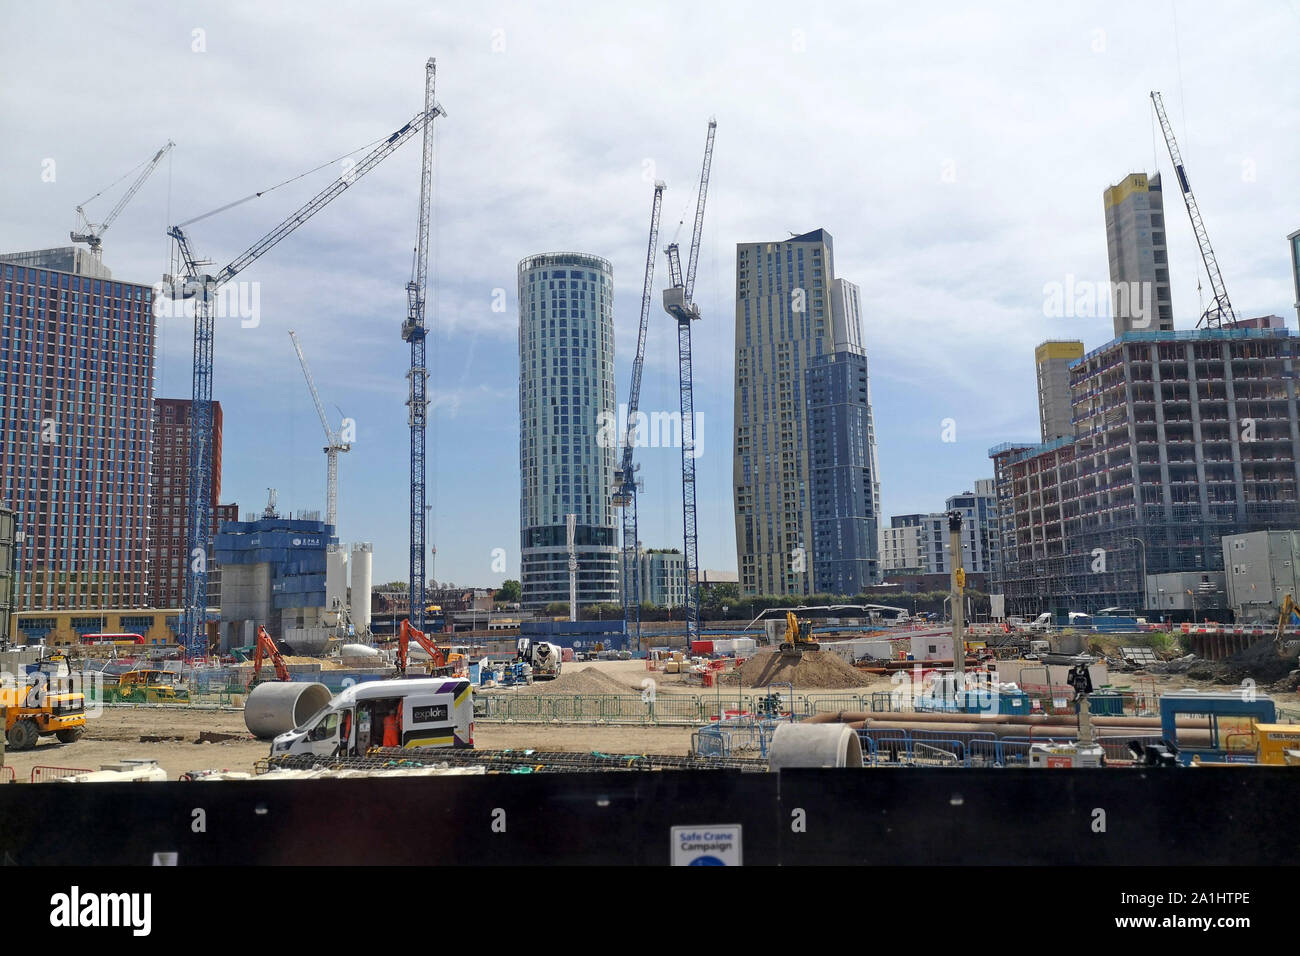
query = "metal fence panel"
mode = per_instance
[{"x": 42, "y": 774}]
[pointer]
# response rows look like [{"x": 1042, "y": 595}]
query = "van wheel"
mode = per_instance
[
  {"x": 23, "y": 735},
  {"x": 71, "y": 735}
]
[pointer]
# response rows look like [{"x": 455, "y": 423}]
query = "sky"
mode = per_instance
[{"x": 957, "y": 156}]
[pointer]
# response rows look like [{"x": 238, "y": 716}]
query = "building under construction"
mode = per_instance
[{"x": 1180, "y": 438}]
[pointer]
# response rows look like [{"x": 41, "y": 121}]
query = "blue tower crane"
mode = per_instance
[
  {"x": 625, "y": 478},
  {"x": 679, "y": 304},
  {"x": 414, "y": 332},
  {"x": 187, "y": 280}
]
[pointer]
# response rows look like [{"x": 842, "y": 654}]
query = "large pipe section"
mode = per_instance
[
  {"x": 814, "y": 745},
  {"x": 1047, "y": 720},
  {"x": 277, "y": 706}
]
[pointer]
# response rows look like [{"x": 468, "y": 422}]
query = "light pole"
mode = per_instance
[{"x": 1142, "y": 544}]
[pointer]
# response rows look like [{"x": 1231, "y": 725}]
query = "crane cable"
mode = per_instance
[{"x": 258, "y": 195}]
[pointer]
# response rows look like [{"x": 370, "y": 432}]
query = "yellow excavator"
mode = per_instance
[
  {"x": 1290, "y": 613},
  {"x": 797, "y": 640}
]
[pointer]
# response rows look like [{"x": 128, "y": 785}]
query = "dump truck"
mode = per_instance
[{"x": 40, "y": 703}]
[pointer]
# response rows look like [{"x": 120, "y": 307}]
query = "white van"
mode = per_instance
[{"x": 423, "y": 712}]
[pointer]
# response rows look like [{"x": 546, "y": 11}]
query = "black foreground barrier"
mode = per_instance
[{"x": 796, "y": 817}]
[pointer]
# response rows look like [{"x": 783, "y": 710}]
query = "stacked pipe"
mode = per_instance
[{"x": 1192, "y": 730}]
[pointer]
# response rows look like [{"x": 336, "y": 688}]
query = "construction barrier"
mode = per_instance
[
  {"x": 43, "y": 774},
  {"x": 6, "y": 774},
  {"x": 666, "y": 709}
]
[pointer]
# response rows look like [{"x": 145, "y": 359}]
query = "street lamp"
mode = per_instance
[{"x": 1142, "y": 544}]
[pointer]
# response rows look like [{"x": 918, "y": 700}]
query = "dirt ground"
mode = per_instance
[
  {"x": 171, "y": 735},
  {"x": 116, "y": 735}
]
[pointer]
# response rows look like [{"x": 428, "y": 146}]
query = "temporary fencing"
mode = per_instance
[
  {"x": 660, "y": 709},
  {"x": 44, "y": 774}
]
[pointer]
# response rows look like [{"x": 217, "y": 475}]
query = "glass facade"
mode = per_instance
[{"x": 566, "y": 443}]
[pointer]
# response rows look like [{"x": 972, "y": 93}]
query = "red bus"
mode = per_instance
[{"x": 115, "y": 639}]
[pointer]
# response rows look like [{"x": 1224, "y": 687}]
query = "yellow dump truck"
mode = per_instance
[{"x": 40, "y": 705}]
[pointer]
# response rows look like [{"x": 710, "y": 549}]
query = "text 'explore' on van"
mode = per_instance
[{"x": 411, "y": 712}]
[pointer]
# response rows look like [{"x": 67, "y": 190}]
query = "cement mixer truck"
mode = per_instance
[{"x": 545, "y": 659}]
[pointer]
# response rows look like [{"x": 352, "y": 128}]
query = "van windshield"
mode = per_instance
[{"x": 311, "y": 720}]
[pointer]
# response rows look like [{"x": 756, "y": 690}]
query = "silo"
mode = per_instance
[
  {"x": 336, "y": 582},
  {"x": 362, "y": 554}
]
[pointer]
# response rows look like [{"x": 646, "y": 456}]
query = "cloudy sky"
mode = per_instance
[{"x": 957, "y": 156}]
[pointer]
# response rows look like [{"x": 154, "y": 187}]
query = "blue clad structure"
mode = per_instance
[{"x": 274, "y": 573}]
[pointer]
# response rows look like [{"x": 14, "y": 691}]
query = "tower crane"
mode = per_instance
[
  {"x": 188, "y": 280},
  {"x": 414, "y": 332},
  {"x": 679, "y": 304},
  {"x": 625, "y": 484},
  {"x": 1221, "y": 308},
  {"x": 92, "y": 234},
  {"x": 334, "y": 442}
]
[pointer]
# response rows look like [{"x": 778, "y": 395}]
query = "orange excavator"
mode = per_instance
[
  {"x": 266, "y": 648},
  {"x": 440, "y": 662}
]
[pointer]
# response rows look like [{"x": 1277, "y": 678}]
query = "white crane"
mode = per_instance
[
  {"x": 91, "y": 233},
  {"x": 333, "y": 438}
]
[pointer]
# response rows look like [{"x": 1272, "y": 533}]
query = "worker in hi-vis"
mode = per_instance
[{"x": 390, "y": 730}]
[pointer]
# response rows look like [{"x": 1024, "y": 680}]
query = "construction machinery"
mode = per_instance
[
  {"x": 679, "y": 304},
  {"x": 625, "y": 480},
  {"x": 440, "y": 662},
  {"x": 1288, "y": 617},
  {"x": 41, "y": 703},
  {"x": 146, "y": 686},
  {"x": 545, "y": 659},
  {"x": 415, "y": 332},
  {"x": 91, "y": 233},
  {"x": 797, "y": 639},
  {"x": 265, "y": 648},
  {"x": 1220, "y": 309},
  {"x": 334, "y": 443},
  {"x": 189, "y": 279}
]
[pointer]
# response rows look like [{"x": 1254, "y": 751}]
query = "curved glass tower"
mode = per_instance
[{"x": 568, "y": 433}]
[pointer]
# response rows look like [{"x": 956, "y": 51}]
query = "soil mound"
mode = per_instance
[
  {"x": 589, "y": 680},
  {"x": 822, "y": 669}
]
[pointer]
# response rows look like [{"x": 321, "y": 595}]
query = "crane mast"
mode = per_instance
[
  {"x": 679, "y": 304},
  {"x": 625, "y": 489},
  {"x": 188, "y": 280},
  {"x": 1220, "y": 309},
  {"x": 333, "y": 441},
  {"x": 414, "y": 332},
  {"x": 92, "y": 234}
]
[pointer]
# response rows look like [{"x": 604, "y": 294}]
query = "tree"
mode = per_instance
[
  {"x": 720, "y": 594},
  {"x": 510, "y": 593}
]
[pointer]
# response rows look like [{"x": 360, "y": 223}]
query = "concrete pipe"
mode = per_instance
[
  {"x": 815, "y": 745},
  {"x": 277, "y": 706}
]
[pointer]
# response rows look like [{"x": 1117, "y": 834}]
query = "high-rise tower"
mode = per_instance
[
  {"x": 807, "y": 492},
  {"x": 76, "y": 397},
  {"x": 568, "y": 433},
  {"x": 1139, "y": 256}
]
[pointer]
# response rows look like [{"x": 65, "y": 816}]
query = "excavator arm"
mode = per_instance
[
  {"x": 436, "y": 655},
  {"x": 1290, "y": 612},
  {"x": 266, "y": 648}
]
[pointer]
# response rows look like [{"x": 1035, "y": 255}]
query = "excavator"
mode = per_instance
[
  {"x": 266, "y": 648},
  {"x": 442, "y": 663},
  {"x": 1289, "y": 615},
  {"x": 797, "y": 641}
]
